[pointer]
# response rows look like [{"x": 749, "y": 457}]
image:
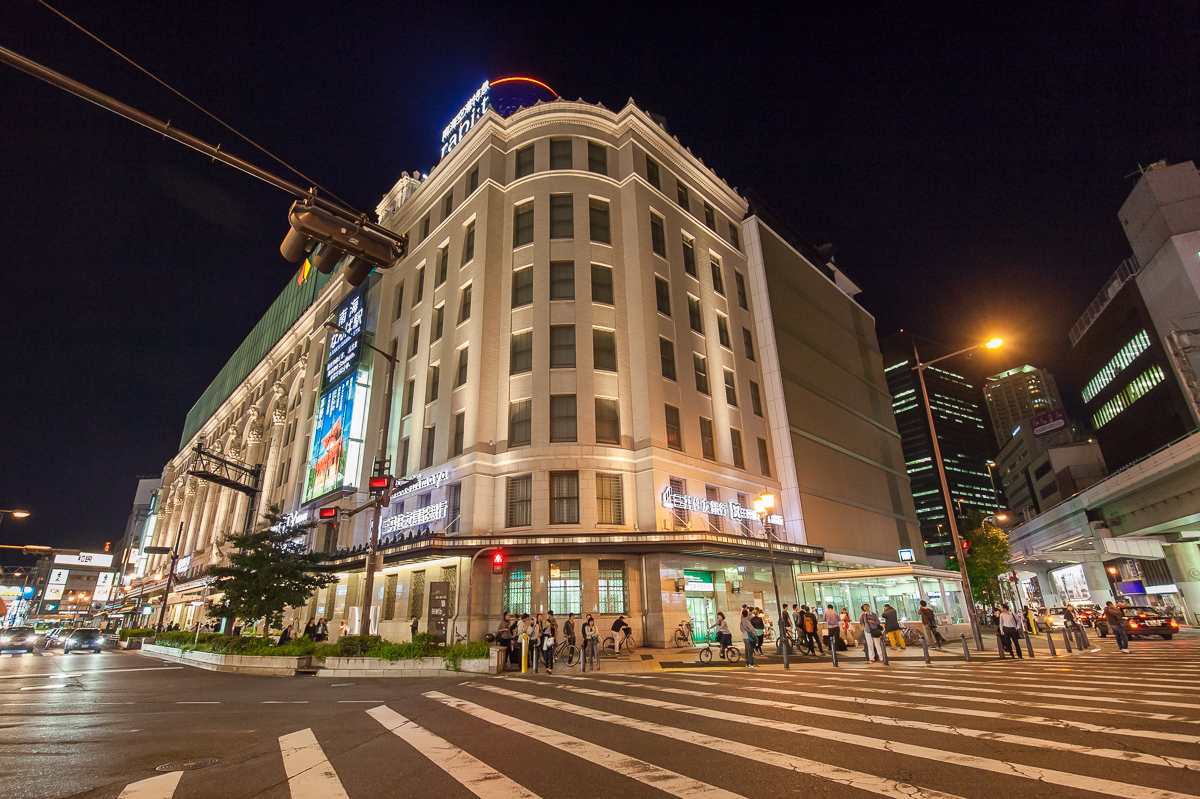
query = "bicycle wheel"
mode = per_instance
[
  {"x": 732, "y": 654},
  {"x": 680, "y": 639},
  {"x": 706, "y": 654},
  {"x": 608, "y": 648},
  {"x": 630, "y": 643},
  {"x": 572, "y": 654}
]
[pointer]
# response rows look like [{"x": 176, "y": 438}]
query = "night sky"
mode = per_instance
[{"x": 967, "y": 163}]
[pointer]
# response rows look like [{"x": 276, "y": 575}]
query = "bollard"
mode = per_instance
[
  {"x": 833, "y": 651},
  {"x": 1028, "y": 643},
  {"x": 966, "y": 651},
  {"x": 1000, "y": 644},
  {"x": 1050, "y": 638},
  {"x": 524, "y": 652},
  {"x": 1067, "y": 641},
  {"x": 925, "y": 649},
  {"x": 1083, "y": 638},
  {"x": 884, "y": 650}
]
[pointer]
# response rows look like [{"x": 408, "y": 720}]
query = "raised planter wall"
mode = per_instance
[
  {"x": 238, "y": 664},
  {"x": 425, "y": 667}
]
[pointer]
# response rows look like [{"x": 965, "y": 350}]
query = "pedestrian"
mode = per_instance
[
  {"x": 620, "y": 629},
  {"x": 929, "y": 622},
  {"x": 569, "y": 629},
  {"x": 872, "y": 633},
  {"x": 1069, "y": 620},
  {"x": 549, "y": 638},
  {"x": 1010, "y": 628},
  {"x": 724, "y": 637},
  {"x": 749, "y": 638},
  {"x": 342, "y": 628},
  {"x": 322, "y": 630},
  {"x": 504, "y": 639},
  {"x": 810, "y": 631},
  {"x": 833, "y": 625},
  {"x": 535, "y": 641},
  {"x": 1116, "y": 623},
  {"x": 310, "y": 630},
  {"x": 591, "y": 644},
  {"x": 412, "y": 626},
  {"x": 847, "y": 627},
  {"x": 891, "y": 626},
  {"x": 286, "y": 637},
  {"x": 756, "y": 622}
]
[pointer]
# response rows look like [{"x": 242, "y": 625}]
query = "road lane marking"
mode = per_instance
[
  {"x": 626, "y": 765},
  {"x": 197, "y": 703},
  {"x": 1048, "y": 776},
  {"x": 309, "y": 773},
  {"x": 84, "y": 673},
  {"x": 359, "y": 701},
  {"x": 160, "y": 787},
  {"x": 285, "y": 702},
  {"x": 476, "y": 776},
  {"x": 41, "y": 687},
  {"x": 826, "y": 771}
]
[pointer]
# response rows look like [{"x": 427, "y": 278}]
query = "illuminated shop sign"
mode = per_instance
[
  {"x": 58, "y": 576},
  {"x": 703, "y": 505},
  {"x": 419, "y": 517},
  {"x": 10, "y": 592},
  {"x": 344, "y": 351},
  {"x": 338, "y": 428},
  {"x": 86, "y": 559},
  {"x": 421, "y": 482},
  {"x": 54, "y": 592},
  {"x": 502, "y": 95},
  {"x": 104, "y": 583},
  {"x": 290, "y": 521},
  {"x": 1049, "y": 423},
  {"x": 466, "y": 118}
]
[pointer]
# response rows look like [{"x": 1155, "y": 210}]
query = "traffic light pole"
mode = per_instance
[{"x": 162, "y": 612}]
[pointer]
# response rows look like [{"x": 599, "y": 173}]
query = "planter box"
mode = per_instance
[
  {"x": 239, "y": 664},
  {"x": 425, "y": 667}
]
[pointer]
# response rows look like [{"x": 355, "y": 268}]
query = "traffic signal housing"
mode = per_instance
[
  {"x": 312, "y": 226},
  {"x": 966, "y": 545},
  {"x": 498, "y": 562},
  {"x": 327, "y": 535}
]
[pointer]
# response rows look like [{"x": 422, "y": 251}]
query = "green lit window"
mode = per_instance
[
  {"x": 1136, "y": 346},
  {"x": 1136, "y": 389},
  {"x": 518, "y": 589}
]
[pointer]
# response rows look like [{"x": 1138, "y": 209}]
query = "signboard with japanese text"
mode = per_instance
[
  {"x": 104, "y": 583},
  {"x": 1049, "y": 423},
  {"x": 86, "y": 559},
  {"x": 344, "y": 351}
]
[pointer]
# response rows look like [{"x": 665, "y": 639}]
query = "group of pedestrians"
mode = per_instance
[
  {"x": 543, "y": 639},
  {"x": 317, "y": 630}
]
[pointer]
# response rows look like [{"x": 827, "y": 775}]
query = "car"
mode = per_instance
[
  {"x": 1141, "y": 622},
  {"x": 1050, "y": 619},
  {"x": 84, "y": 638},
  {"x": 24, "y": 638},
  {"x": 1087, "y": 614},
  {"x": 52, "y": 636}
]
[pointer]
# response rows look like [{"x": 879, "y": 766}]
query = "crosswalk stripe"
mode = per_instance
[
  {"x": 826, "y": 771},
  {"x": 309, "y": 773},
  {"x": 959, "y": 711},
  {"x": 476, "y": 776},
  {"x": 1048, "y": 776},
  {"x": 647, "y": 773},
  {"x": 160, "y": 787},
  {"x": 1023, "y": 690},
  {"x": 1157, "y": 682}
]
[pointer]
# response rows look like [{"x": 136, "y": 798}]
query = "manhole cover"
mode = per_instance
[
  {"x": 189, "y": 765},
  {"x": 342, "y": 684}
]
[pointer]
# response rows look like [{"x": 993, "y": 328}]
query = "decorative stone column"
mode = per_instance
[
  {"x": 271, "y": 471},
  {"x": 193, "y": 526}
]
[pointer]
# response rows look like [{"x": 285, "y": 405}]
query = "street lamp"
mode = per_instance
[
  {"x": 763, "y": 505},
  {"x": 19, "y": 514},
  {"x": 991, "y": 344}
]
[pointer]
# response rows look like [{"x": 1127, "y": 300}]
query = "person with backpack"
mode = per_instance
[
  {"x": 929, "y": 622},
  {"x": 872, "y": 633},
  {"x": 891, "y": 626},
  {"x": 756, "y": 622},
  {"x": 809, "y": 620},
  {"x": 749, "y": 638}
]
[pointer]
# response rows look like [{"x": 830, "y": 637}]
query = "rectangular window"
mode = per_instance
[
  {"x": 744, "y": 524},
  {"x": 518, "y": 589},
  {"x": 597, "y": 158},
  {"x": 410, "y": 389},
  {"x": 674, "y": 431},
  {"x": 710, "y": 217},
  {"x": 447, "y": 205},
  {"x": 521, "y": 357},
  {"x": 414, "y": 341},
  {"x": 652, "y": 172},
  {"x": 523, "y": 224},
  {"x": 681, "y": 193},
  {"x": 718, "y": 280},
  {"x": 604, "y": 350},
  {"x": 716, "y": 522},
  {"x": 723, "y": 331},
  {"x": 658, "y": 236},
  {"x": 707, "y": 444},
  {"x": 598, "y": 221},
  {"x": 425, "y": 227},
  {"x": 602, "y": 284},
  {"x": 563, "y": 419},
  {"x": 460, "y": 432},
  {"x": 748, "y": 342},
  {"x": 666, "y": 352},
  {"x": 473, "y": 180},
  {"x": 564, "y": 589},
  {"x": 562, "y": 280},
  {"x": 439, "y": 322},
  {"x": 755, "y": 399},
  {"x": 460, "y": 376},
  {"x": 522, "y": 287},
  {"x": 701, "y": 367},
  {"x": 562, "y": 216},
  {"x": 610, "y": 507},
  {"x": 443, "y": 266},
  {"x": 730, "y": 388},
  {"x": 735, "y": 440},
  {"x": 608, "y": 421},
  {"x": 734, "y": 237},
  {"x": 430, "y": 437},
  {"x": 525, "y": 161},
  {"x": 694, "y": 318},
  {"x": 562, "y": 346},
  {"x": 681, "y": 514},
  {"x": 404, "y": 457},
  {"x": 689, "y": 256},
  {"x": 741, "y": 289},
  {"x": 564, "y": 497},
  {"x": 662, "y": 295},
  {"x": 454, "y": 512},
  {"x": 469, "y": 243},
  {"x": 764, "y": 458},
  {"x": 520, "y": 423},
  {"x": 560, "y": 154},
  {"x": 614, "y": 594},
  {"x": 464, "y": 305},
  {"x": 434, "y": 384},
  {"x": 399, "y": 299},
  {"x": 520, "y": 501},
  {"x": 419, "y": 294}
]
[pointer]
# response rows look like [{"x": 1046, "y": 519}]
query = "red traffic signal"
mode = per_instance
[
  {"x": 328, "y": 513},
  {"x": 966, "y": 546},
  {"x": 498, "y": 562}
]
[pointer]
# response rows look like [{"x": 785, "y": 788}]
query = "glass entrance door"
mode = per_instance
[{"x": 703, "y": 611}]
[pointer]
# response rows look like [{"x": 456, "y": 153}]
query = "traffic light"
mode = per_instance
[
  {"x": 498, "y": 562},
  {"x": 381, "y": 483},
  {"x": 966, "y": 545},
  {"x": 327, "y": 537},
  {"x": 338, "y": 237}
]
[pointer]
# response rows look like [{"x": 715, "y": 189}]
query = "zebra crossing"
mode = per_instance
[{"x": 970, "y": 732}]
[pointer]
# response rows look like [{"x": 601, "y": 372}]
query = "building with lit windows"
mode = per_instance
[
  {"x": 606, "y": 355},
  {"x": 1025, "y": 392},
  {"x": 962, "y": 434}
]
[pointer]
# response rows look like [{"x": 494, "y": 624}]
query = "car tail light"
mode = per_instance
[
  {"x": 1173, "y": 623},
  {"x": 1133, "y": 625}
]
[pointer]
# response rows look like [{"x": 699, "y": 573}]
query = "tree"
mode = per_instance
[
  {"x": 988, "y": 559},
  {"x": 270, "y": 569}
]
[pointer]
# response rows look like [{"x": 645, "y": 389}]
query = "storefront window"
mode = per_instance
[
  {"x": 933, "y": 595},
  {"x": 954, "y": 601},
  {"x": 566, "y": 591},
  {"x": 518, "y": 589},
  {"x": 614, "y": 594}
]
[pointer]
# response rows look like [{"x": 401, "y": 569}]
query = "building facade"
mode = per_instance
[{"x": 1016, "y": 395}]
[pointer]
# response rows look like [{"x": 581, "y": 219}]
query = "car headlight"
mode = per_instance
[{"x": 4, "y": 639}]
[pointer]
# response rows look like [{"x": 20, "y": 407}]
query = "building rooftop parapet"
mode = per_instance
[{"x": 1128, "y": 269}]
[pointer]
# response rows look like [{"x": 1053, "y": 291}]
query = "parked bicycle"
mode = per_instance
[
  {"x": 609, "y": 648},
  {"x": 566, "y": 651},
  {"x": 732, "y": 653},
  {"x": 683, "y": 635}
]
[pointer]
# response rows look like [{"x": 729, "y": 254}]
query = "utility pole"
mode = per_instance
[
  {"x": 764, "y": 504},
  {"x": 162, "y": 612}
]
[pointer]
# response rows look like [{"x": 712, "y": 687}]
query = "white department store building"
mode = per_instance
[{"x": 607, "y": 355}]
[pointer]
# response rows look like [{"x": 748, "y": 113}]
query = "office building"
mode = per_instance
[{"x": 1016, "y": 395}]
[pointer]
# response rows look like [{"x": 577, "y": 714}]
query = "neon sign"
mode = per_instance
[
  {"x": 418, "y": 517},
  {"x": 466, "y": 118}
]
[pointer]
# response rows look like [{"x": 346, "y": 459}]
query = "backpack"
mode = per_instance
[{"x": 809, "y": 627}]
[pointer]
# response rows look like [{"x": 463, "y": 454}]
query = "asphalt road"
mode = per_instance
[{"x": 1094, "y": 724}]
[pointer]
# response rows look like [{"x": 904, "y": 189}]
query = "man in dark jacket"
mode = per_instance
[{"x": 891, "y": 628}]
